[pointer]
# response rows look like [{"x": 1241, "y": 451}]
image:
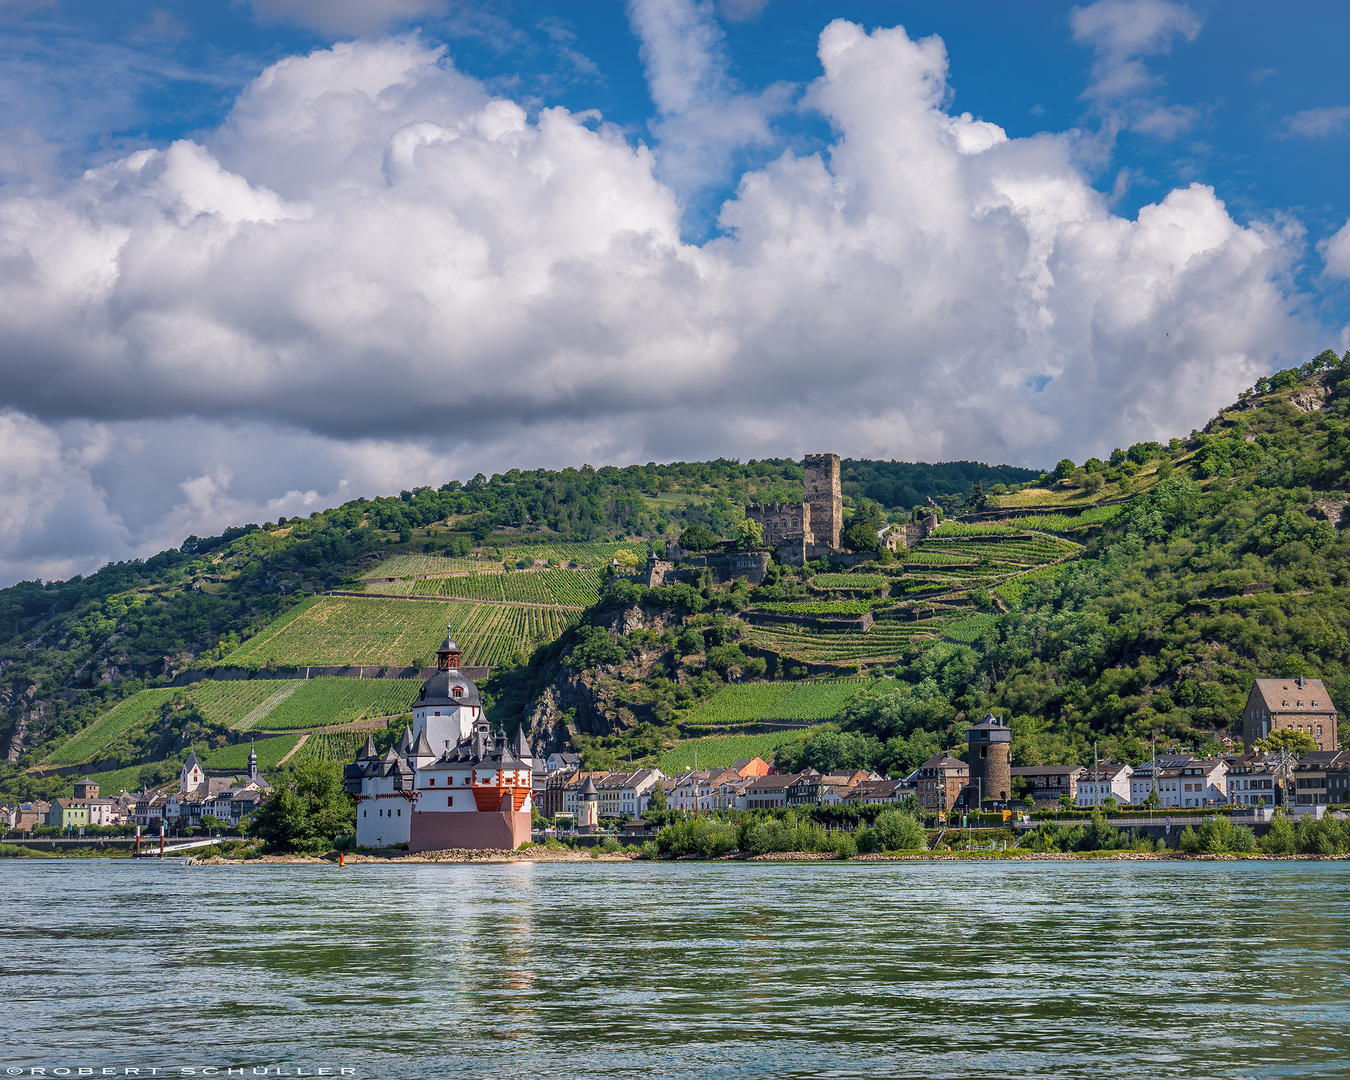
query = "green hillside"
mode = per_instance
[
  {"x": 1122, "y": 598},
  {"x": 1101, "y": 602}
]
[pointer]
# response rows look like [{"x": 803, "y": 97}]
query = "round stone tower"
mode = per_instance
[
  {"x": 990, "y": 743},
  {"x": 588, "y": 807}
]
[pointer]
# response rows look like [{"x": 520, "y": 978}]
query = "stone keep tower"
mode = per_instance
[
  {"x": 825, "y": 498},
  {"x": 990, "y": 743}
]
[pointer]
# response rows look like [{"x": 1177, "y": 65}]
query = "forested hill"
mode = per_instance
[
  {"x": 1171, "y": 575},
  {"x": 69, "y": 649},
  {"x": 1232, "y": 562}
]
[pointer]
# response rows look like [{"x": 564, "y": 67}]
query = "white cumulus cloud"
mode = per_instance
[{"x": 377, "y": 274}]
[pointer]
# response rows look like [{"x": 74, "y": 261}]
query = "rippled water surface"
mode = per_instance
[{"x": 688, "y": 969}]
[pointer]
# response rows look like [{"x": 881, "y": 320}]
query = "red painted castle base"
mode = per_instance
[{"x": 493, "y": 830}]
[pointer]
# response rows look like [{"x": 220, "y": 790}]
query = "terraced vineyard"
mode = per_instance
[
  {"x": 884, "y": 642},
  {"x": 719, "y": 751},
  {"x": 822, "y": 608},
  {"x": 941, "y": 571},
  {"x": 337, "y": 746},
  {"x": 93, "y": 740},
  {"x": 563, "y": 588},
  {"x": 750, "y": 703},
  {"x": 594, "y": 556},
  {"x": 968, "y": 629},
  {"x": 740, "y": 704},
  {"x": 240, "y": 704},
  {"x": 398, "y": 633},
  {"x": 328, "y": 702},
  {"x": 270, "y": 753},
  {"x": 850, "y": 582}
]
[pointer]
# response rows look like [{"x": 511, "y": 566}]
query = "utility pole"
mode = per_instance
[{"x": 1154, "y": 744}]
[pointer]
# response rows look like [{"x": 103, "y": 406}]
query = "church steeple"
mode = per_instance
[
  {"x": 448, "y": 655},
  {"x": 252, "y": 763}
]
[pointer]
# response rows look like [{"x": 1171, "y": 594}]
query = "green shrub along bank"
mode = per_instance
[
  {"x": 1308, "y": 837},
  {"x": 765, "y": 834},
  {"x": 1098, "y": 835}
]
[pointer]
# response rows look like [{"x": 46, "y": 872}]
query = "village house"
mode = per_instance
[
  {"x": 1338, "y": 780},
  {"x": 1253, "y": 780},
  {"x": 1159, "y": 773},
  {"x": 693, "y": 790},
  {"x": 68, "y": 814},
  {"x": 768, "y": 792},
  {"x": 573, "y": 783},
  {"x": 29, "y": 815},
  {"x": 626, "y": 794},
  {"x": 940, "y": 781},
  {"x": 1110, "y": 781},
  {"x": 873, "y": 792},
  {"x": 1182, "y": 781},
  {"x": 728, "y": 789},
  {"x": 562, "y": 762},
  {"x": 1311, "y": 778},
  {"x": 1049, "y": 783},
  {"x": 1203, "y": 783}
]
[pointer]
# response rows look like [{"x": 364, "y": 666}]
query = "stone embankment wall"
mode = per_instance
[{"x": 225, "y": 674}]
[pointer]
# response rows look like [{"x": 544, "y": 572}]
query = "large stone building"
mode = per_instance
[
  {"x": 1297, "y": 704},
  {"x": 450, "y": 782}
]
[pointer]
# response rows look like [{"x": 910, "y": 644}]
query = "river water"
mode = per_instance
[{"x": 1121, "y": 969}]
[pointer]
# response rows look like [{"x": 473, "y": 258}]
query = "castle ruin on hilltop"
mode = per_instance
[
  {"x": 797, "y": 532},
  {"x": 812, "y": 528}
]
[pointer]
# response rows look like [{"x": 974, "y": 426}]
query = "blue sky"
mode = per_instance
[
  {"x": 258, "y": 256},
  {"x": 177, "y": 67}
]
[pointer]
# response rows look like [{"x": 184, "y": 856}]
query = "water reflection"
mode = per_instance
[{"x": 682, "y": 969}]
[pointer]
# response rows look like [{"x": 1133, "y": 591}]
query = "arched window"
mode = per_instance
[{"x": 459, "y": 691}]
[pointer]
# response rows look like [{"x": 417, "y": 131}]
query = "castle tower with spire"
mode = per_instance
[
  {"x": 448, "y": 705},
  {"x": 449, "y": 782}
]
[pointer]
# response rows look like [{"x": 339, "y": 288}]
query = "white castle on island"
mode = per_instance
[{"x": 450, "y": 782}]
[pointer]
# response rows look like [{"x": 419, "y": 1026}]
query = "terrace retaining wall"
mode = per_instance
[{"x": 229, "y": 674}]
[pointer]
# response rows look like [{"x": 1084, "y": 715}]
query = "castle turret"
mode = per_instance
[
  {"x": 990, "y": 744},
  {"x": 448, "y": 655},
  {"x": 448, "y": 705},
  {"x": 588, "y": 807}
]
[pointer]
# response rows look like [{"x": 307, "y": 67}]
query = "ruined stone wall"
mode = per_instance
[
  {"x": 782, "y": 521},
  {"x": 825, "y": 498}
]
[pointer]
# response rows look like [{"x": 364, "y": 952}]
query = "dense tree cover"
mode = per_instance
[
  {"x": 308, "y": 811},
  {"x": 1224, "y": 570},
  {"x": 903, "y": 485}
]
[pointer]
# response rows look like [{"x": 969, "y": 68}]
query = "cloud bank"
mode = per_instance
[{"x": 376, "y": 274}]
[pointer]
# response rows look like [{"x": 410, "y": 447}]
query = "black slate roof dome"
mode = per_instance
[{"x": 440, "y": 690}]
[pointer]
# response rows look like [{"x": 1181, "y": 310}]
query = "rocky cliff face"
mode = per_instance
[
  {"x": 17, "y": 703},
  {"x": 592, "y": 701}
]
